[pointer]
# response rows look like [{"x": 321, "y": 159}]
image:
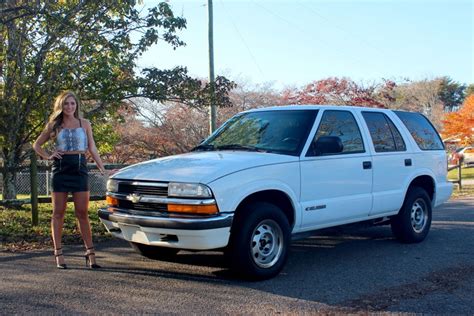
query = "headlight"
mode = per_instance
[
  {"x": 112, "y": 185},
  {"x": 188, "y": 190}
]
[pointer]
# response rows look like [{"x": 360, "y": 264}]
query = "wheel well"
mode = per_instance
[
  {"x": 275, "y": 197},
  {"x": 424, "y": 182}
]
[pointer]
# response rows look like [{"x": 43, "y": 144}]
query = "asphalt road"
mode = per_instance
[{"x": 338, "y": 270}]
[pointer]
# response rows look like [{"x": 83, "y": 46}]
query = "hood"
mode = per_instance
[{"x": 199, "y": 167}]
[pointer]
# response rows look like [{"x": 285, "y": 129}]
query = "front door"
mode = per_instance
[{"x": 336, "y": 188}]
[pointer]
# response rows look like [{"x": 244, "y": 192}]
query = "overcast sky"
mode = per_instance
[{"x": 294, "y": 42}]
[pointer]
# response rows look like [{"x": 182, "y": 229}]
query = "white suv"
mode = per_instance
[{"x": 271, "y": 175}]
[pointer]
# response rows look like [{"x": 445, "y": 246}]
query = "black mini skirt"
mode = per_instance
[{"x": 70, "y": 174}]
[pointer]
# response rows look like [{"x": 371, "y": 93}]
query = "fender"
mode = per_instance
[{"x": 231, "y": 190}]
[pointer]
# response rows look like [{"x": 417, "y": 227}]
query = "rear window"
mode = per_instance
[
  {"x": 422, "y": 130},
  {"x": 385, "y": 136}
]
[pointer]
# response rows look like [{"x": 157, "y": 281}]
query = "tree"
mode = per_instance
[
  {"x": 460, "y": 124},
  {"x": 451, "y": 93},
  {"x": 470, "y": 89},
  {"x": 86, "y": 46},
  {"x": 150, "y": 130},
  {"x": 337, "y": 91},
  {"x": 420, "y": 96}
]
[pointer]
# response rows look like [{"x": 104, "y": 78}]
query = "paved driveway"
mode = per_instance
[{"x": 353, "y": 269}]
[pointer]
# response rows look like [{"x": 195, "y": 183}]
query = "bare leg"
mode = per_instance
[
  {"x": 57, "y": 222},
  {"x": 81, "y": 206}
]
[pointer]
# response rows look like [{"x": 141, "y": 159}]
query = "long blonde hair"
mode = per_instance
[{"x": 56, "y": 118}]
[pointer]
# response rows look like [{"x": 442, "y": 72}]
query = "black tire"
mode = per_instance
[
  {"x": 259, "y": 241},
  {"x": 413, "y": 221},
  {"x": 154, "y": 252}
]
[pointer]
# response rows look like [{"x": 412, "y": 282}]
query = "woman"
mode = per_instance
[{"x": 72, "y": 136}]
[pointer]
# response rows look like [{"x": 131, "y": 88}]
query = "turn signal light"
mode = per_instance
[
  {"x": 111, "y": 201},
  {"x": 194, "y": 209}
]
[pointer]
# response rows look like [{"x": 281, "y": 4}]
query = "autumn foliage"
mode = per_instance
[
  {"x": 336, "y": 91},
  {"x": 460, "y": 124}
]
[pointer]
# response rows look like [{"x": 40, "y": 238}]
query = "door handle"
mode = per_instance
[
  {"x": 367, "y": 165},
  {"x": 407, "y": 162}
]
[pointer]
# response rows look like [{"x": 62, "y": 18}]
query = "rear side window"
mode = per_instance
[
  {"x": 343, "y": 125},
  {"x": 385, "y": 135},
  {"x": 422, "y": 130}
]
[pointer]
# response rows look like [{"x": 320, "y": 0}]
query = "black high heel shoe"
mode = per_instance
[
  {"x": 89, "y": 263},
  {"x": 57, "y": 254}
]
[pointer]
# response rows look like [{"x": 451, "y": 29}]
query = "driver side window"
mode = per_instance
[{"x": 341, "y": 124}]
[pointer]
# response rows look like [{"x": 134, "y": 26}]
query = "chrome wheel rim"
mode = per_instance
[
  {"x": 266, "y": 244},
  {"x": 419, "y": 215}
]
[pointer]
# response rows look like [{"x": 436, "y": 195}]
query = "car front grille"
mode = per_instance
[
  {"x": 143, "y": 189},
  {"x": 154, "y": 207}
]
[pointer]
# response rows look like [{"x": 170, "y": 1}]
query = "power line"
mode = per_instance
[
  {"x": 305, "y": 32},
  {"x": 313, "y": 11},
  {"x": 242, "y": 39}
]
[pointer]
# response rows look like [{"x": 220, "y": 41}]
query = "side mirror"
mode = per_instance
[{"x": 328, "y": 145}]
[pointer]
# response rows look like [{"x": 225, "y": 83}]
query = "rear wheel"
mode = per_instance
[
  {"x": 413, "y": 222},
  {"x": 154, "y": 252},
  {"x": 259, "y": 241}
]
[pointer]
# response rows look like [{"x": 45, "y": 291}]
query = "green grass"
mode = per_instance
[
  {"x": 466, "y": 173},
  {"x": 18, "y": 196},
  {"x": 17, "y": 232}
]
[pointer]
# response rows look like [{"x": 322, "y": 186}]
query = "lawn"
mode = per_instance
[
  {"x": 467, "y": 173},
  {"x": 17, "y": 233}
]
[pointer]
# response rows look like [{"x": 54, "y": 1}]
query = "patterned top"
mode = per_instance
[{"x": 72, "y": 139}]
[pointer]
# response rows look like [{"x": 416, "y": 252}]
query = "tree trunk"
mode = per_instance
[{"x": 9, "y": 181}]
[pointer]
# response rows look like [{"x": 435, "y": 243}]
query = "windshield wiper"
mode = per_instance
[
  {"x": 239, "y": 147},
  {"x": 203, "y": 147}
]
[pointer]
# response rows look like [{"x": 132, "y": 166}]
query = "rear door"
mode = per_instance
[
  {"x": 336, "y": 188},
  {"x": 391, "y": 160}
]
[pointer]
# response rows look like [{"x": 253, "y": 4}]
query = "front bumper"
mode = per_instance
[{"x": 174, "y": 232}]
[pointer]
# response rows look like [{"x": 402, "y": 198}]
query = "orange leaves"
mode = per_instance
[{"x": 460, "y": 124}]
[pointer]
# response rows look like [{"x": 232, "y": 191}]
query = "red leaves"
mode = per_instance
[{"x": 337, "y": 91}]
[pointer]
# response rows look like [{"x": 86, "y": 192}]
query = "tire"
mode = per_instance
[
  {"x": 413, "y": 221},
  {"x": 154, "y": 252},
  {"x": 259, "y": 242}
]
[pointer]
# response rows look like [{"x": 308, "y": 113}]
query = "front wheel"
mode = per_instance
[
  {"x": 413, "y": 222},
  {"x": 154, "y": 252},
  {"x": 259, "y": 241}
]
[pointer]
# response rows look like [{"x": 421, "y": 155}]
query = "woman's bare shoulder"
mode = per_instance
[
  {"x": 49, "y": 126},
  {"x": 85, "y": 122}
]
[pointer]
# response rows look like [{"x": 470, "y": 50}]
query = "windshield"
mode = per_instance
[{"x": 282, "y": 132}]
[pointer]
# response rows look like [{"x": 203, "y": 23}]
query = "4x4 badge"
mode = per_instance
[{"x": 135, "y": 198}]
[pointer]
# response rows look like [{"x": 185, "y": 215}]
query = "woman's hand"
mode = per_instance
[
  {"x": 108, "y": 173},
  {"x": 56, "y": 154}
]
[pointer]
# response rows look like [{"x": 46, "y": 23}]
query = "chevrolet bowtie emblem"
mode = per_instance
[{"x": 135, "y": 198}]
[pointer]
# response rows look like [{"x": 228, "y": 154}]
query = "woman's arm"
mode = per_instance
[
  {"x": 92, "y": 147},
  {"x": 43, "y": 138}
]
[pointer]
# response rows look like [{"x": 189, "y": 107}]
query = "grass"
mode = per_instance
[
  {"x": 467, "y": 191},
  {"x": 17, "y": 232},
  {"x": 467, "y": 173}
]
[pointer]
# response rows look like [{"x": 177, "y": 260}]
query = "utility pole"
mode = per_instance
[{"x": 212, "y": 106}]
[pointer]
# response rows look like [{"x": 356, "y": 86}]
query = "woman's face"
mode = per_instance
[{"x": 69, "y": 106}]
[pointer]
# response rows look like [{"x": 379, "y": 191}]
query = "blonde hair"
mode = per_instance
[{"x": 56, "y": 118}]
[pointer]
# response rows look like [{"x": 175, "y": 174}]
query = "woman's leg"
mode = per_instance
[
  {"x": 81, "y": 206},
  {"x": 59, "y": 200}
]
